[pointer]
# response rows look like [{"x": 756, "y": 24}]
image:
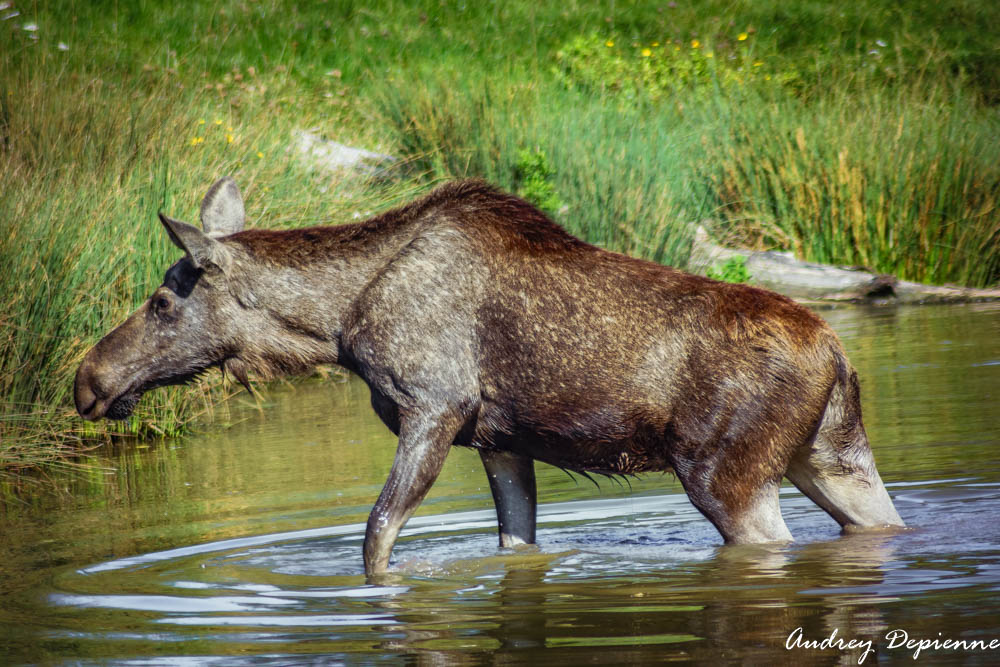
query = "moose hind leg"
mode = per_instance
[
  {"x": 836, "y": 469},
  {"x": 845, "y": 483},
  {"x": 761, "y": 520},
  {"x": 512, "y": 482},
  {"x": 743, "y": 511}
]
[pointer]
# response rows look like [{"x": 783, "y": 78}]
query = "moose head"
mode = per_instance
[{"x": 189, "y": 324}]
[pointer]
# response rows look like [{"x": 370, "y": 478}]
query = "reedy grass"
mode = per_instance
[
  {"x": 898, "y": 181},
  {"x": 86, "y": 166},
  {"x": 887, "y": 160},
  {"x": 616, "y": 192}
]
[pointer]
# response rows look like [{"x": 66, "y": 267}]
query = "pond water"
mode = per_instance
[{"x": 242, "y": 546}]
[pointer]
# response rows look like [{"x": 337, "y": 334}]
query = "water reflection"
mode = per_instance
[
  {"x": 453, "y": 592},
  {"x": 244, "y": 546}
]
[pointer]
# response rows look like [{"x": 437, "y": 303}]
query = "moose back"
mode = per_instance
[{"x": 478, "y": 322}]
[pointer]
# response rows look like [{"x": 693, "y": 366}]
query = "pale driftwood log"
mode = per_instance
[{"x": 783, "y": 273}]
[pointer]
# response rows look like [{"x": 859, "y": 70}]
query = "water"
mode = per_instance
[{"x": 243, "y": 546}]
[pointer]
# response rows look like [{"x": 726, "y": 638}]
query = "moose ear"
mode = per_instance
[
  {"x": 222, "y": 211},
  {"x": 204, "y": 251}
]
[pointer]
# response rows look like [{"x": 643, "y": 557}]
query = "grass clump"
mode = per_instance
[
  {"x": 733, "y": 270},
  {"x": 533, "y": 175}
]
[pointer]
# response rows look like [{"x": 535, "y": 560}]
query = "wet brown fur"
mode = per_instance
[{"x": 477, "y": 321}]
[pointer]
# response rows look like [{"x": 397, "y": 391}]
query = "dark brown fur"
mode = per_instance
[{"x": 477, "y": 321}]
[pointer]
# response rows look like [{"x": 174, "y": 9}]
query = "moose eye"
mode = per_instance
[{"x": 161, "y": 303}]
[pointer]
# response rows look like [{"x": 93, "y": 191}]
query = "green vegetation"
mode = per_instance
[
  {"x": 858, "y": 134},
  {"x": 733, "y": 270},
  {"x": 534, "y": 176}
]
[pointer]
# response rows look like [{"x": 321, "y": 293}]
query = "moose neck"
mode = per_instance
[{"x": 299, "y": 284}]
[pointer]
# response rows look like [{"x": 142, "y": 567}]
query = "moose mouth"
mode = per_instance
[
  {"x": 122, "y": 407},
  {"x": 93, "y": 406}
]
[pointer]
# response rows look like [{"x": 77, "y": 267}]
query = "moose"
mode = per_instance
[{"x": 476, "y": 321}]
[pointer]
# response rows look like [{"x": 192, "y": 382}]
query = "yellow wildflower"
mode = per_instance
[
  {"x": 218, "y": 121},
  {"x": 609, "y": 43},
  {"x": 757, "y": 63},
  {"x": 229, "y": 138},
  {"x": 655, "y": 44},
  {"x": 695, "y": 44},
  {"x": 201, "y": 122},
  {"x": 646, "y": 53},
  {"x": 259, "y": 154},
  {"x": 742, "y": 37},
  {"x": 196, "y": 140}
]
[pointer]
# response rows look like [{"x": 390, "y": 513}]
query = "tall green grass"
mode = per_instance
[
  {"x": 899, "y": 180},
  {"x": 615, "y": 191},
  {"x": 855, "y": 134},
  {"x": 86, "y": 164},
  {"x": 902, "y": 182}
]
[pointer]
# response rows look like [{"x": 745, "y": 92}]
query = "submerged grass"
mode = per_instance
[{"x": 849, "y": 134}]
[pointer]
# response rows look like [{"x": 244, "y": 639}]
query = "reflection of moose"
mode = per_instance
[
  {"x": 743, "y": 602},
  {"x": 477, "y": 321}
]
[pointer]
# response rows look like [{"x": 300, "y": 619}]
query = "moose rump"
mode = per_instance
[
  {"x": 626, "y": 367},
  {"x": 477, "y": 321}
]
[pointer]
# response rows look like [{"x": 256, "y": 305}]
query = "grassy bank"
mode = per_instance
[{"x": 860, "y": 135}]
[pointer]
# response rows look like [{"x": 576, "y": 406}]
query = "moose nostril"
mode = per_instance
[
  {"x": 85, "y": 400},
  {"x": 87, "y": 410},
  {"x": 84, "y": 395}
]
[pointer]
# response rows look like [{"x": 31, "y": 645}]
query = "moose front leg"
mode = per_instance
[
  {"x": 424, "y": 441},
  {"x": 512, "y": 481}
]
